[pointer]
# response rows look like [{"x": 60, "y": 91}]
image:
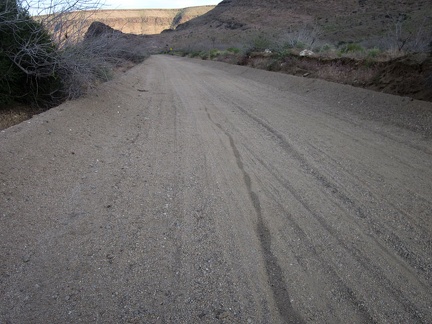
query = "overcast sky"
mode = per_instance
[{"x": 156, "y": 4}]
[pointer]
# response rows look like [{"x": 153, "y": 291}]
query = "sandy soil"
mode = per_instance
[{"x": 193, "y": 191}]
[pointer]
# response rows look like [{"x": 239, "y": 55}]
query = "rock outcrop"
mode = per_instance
[{"x": 147, "y": 21}]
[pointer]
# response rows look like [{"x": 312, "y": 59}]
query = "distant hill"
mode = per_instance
[
  {"x": 338, "y": 20},
  {"x": 148, "y": 21},
  {"x": 134, "y": 21}
]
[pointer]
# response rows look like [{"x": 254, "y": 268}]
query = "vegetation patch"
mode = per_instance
[{"x": 46, "y": 61}]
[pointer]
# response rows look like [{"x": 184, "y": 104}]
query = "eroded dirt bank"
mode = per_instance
[
  {"x": 407, "y": 76},
  {"x": 192, "y": 191}
]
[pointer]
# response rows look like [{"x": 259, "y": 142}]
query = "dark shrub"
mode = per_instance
[{"x": 28, "y": 59}]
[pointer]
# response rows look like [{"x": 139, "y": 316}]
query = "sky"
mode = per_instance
[{"x": 156, "y": 4}]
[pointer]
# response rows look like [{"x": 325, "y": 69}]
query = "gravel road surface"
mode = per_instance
[{"x": 188, "y": 191}]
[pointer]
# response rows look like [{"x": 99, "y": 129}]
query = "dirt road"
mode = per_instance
[{"x": 197, "y": 192}]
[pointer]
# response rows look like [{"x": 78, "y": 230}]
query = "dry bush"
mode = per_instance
[
  {"x": 67, "y": 21},
  {"x": 93, "y": 60},
  {"x": 305, "y": 36},
  {"x": 50, "y": 59},
  {"x": 404, "y": 36}
]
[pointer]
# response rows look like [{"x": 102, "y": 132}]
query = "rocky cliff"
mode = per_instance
[
  {"x": 134, "y": 21},
  {"x": 148, "y": 21}
]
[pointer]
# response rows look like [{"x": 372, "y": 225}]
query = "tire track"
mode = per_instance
[
  {"x": 350, "y": 204},
  {"x": 273, "y": 269},
  {"x": 357, "y": 254}
]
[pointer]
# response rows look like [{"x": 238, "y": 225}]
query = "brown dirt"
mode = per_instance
[
  {"x": 193, "y": 191},
  {"x": 409, "y": 76},
  {"x": 15, "y": 114},
  {"x": 405, "y": 76}
]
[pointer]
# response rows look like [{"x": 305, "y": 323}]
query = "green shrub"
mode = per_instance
[
  {"x": 203, "y": 55},
  {"x": 10, "y": 80},
  {"x": 214, "y": 53},
  {"x": 326, "y": 48},
  {"x": 373, "y": 53},
  {"x": 194, "y": 54},
  {"x": 234, "y": 50},
  {"x": 260, "y": 43},
  {"x": 282, "y": 53},
  {"x": 351, "y": 48},
  {"x": 299, "y": 45},
  {"x": 288, "y": 45}
]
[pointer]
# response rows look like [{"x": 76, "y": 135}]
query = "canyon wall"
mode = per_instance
[
  {"x": 148, "y": 21},
  {"x": 130, "y": 21}
]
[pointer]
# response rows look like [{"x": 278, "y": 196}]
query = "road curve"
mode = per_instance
[{"x": 188, "y": 191}]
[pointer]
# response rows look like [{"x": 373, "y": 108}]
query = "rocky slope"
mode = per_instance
[{"x": 338, "y": 21}]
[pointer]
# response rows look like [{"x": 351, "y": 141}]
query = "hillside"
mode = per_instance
[
  {"x": 367, "y": 21},
  {"x": 380, "y": 33}
]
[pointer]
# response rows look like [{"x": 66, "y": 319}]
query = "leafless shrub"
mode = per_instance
[
  {"x": 83, "y": 65},
  {"x": 302, "y": 37},
  {"x": 66, "y": 20},
  {"x": 403, "y": 37},
  {"x": 53, "y": 53}
]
